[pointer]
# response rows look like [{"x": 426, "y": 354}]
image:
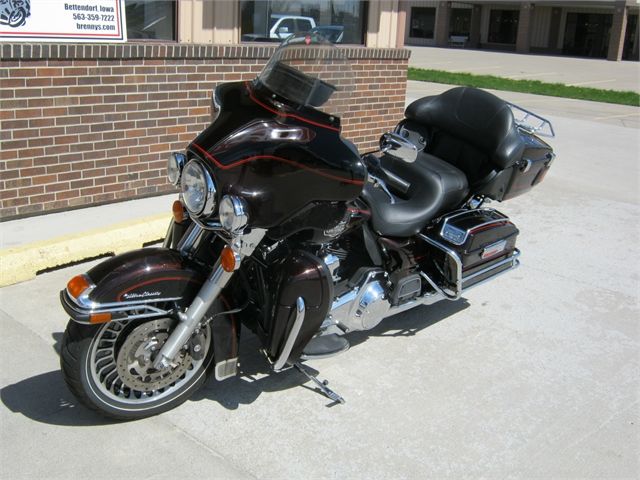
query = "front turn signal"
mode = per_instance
[
  {"x": 228, "y": 259},
  {"x": 178, "y": 211},
  {"x": 77, "y": 285},
  {"x": 99, "y": 318}
]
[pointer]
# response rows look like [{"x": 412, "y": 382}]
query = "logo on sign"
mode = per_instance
[{"x": 14, "y": 12}]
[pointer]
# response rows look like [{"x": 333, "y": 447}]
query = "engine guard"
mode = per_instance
[{"x": 151, "y": 283}]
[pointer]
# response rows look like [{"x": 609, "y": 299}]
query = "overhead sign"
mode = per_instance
[{"x": 63, "y": 21}]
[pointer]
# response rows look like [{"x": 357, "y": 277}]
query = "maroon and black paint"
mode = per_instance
[
  {"x": 277, "y": 176},
  {"x": 301, "y": 275}
]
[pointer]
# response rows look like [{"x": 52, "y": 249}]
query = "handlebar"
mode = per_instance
[{"x": 375, "y": 168}]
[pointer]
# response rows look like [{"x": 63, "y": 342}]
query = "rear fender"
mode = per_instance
[{"x": 151, "y": 283}]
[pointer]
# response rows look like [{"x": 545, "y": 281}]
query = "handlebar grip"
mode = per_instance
[{"x": 399, "y": 184}]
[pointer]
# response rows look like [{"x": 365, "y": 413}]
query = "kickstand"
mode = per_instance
[{"x": 321, "y": 385}]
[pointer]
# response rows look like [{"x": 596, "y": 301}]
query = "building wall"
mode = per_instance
[
  {"x": 93, "y": 124},
  {"x": 540, "y": 24}
]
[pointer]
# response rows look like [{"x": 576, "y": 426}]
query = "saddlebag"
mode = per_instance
[{"x": 469, "y": 247}]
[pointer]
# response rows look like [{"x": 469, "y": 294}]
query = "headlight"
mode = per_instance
[
  {"x": 174, "y": 167},
  {"x": 198, "y": 189},
  {"x": 233, "y": 214}
]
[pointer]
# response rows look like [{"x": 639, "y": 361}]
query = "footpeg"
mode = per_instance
[
  {"x": 325, "y": 346},
  {"x": 321, "y": 385}
]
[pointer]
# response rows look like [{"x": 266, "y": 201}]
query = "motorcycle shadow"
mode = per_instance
[
  {"x": 45, "y": 398},
  {"x": 255, "y": 375}
]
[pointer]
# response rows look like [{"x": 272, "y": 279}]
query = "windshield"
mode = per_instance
[{"x": 309, "y": 71}]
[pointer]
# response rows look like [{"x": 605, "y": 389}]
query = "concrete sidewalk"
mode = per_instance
[{"x": 584, "y": 72}]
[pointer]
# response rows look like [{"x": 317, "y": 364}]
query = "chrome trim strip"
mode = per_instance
[
  {"x": 513, "y": 259},
  {"x": 89, "y": 306},
  {"x": 293, "y": 335},
  {"x": 131, "y": 312},
  {"x": 495, "y": 275},
  {"x": 190, "y": 239}
]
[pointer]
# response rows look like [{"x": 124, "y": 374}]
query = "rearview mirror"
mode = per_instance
[{"x": 398, "y": 147}]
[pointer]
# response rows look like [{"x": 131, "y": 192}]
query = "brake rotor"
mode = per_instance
[{"x": 138, "y": 352}]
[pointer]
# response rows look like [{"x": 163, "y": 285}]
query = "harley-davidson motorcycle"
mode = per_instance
[{"x": 282, "y": 226}]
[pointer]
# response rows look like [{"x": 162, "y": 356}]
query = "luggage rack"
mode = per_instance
[
  {"x": 490, "y": 272},
  {"x": 523, "y": 120}
]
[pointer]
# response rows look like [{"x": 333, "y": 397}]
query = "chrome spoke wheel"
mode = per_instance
[{"x": 121, "y": 357}]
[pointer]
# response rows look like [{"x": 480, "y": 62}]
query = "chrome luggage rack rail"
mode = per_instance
[
  {"x": 523, "y": 119},
  {"x": 511, "y": 260}
]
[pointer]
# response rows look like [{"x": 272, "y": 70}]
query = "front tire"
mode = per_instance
[
  {"x": 17, "y": 18},
  {"x": 109, "y": 367}
]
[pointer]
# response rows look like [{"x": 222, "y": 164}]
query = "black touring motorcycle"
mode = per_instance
[{"x": 284, "y": 227}]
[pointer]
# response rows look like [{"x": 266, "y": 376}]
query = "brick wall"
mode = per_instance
[{"x": 89, "y": 124}]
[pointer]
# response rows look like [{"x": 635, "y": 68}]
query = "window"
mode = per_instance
[
  {"x": 460, "y": 24},
  {"x": 423, "y": 21},
  {"x": 151, "y": 20},
  {"x": 587, "y": 34},
  {"x": 340, "y": 21},
  {"x": 503, "y": 26}
]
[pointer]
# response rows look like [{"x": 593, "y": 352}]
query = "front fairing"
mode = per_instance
[{"x": 277, "y": 157}]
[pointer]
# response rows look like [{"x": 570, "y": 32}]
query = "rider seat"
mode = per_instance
[{"x": 435, "y": 187}]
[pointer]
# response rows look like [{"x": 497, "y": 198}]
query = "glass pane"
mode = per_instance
[
  {"x": 151, "y": 20},
  {"x": 340, "y": 21},
  {"x": 460, "y": 24},
  {"x": 503, "y": 26},
  {"x": 587, "y": 34},
  {"x": 423, "y": 21}
]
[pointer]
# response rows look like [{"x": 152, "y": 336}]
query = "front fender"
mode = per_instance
[{"x": 149, "y": 283}]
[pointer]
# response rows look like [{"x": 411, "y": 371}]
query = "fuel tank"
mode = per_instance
[{"x": 280, "y": 159}]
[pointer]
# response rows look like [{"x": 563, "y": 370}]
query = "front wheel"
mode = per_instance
[
  {"x": 17, "y": 18},
  {"x": 109, "y": 367}
]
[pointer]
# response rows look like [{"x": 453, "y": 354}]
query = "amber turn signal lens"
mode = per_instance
[
  {"x": 228, "y": 259},
  {"x": 100, "y": 318},
  {"x": 178, "y": 211},
  {"x": 77, "y": 285}
]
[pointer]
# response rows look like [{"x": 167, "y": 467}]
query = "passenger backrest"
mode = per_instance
[{"x": 467, "y": 122}]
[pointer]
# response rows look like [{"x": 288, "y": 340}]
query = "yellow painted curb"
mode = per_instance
[{"x": 21, "y": 263}]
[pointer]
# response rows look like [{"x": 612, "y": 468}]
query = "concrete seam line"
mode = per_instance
[{"x": 21, "y": 263}]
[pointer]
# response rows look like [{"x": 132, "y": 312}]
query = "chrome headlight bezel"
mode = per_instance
[
  {"x": 233, "y": 214},
  {"x": 175, "y": 164},
  {"x": 206, "y": 206}
]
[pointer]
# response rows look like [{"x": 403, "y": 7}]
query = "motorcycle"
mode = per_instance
[
  {"x": 283, "y": 227},
  {"x": 14, "y": 12}
]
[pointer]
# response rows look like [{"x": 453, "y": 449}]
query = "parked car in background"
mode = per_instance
[
  {"x": 284, "y": 25},
  {"x": 280, "y": 27},
  {"x": 333, "y": 33}
]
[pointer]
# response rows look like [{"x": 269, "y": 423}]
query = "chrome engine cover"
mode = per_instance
[{"x": 363, "y": 307}]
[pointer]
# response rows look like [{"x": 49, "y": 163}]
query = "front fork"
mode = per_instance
[{"x": 241, "y": 246}]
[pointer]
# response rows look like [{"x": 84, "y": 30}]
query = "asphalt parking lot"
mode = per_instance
[{"x": 532, "y": 375}]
